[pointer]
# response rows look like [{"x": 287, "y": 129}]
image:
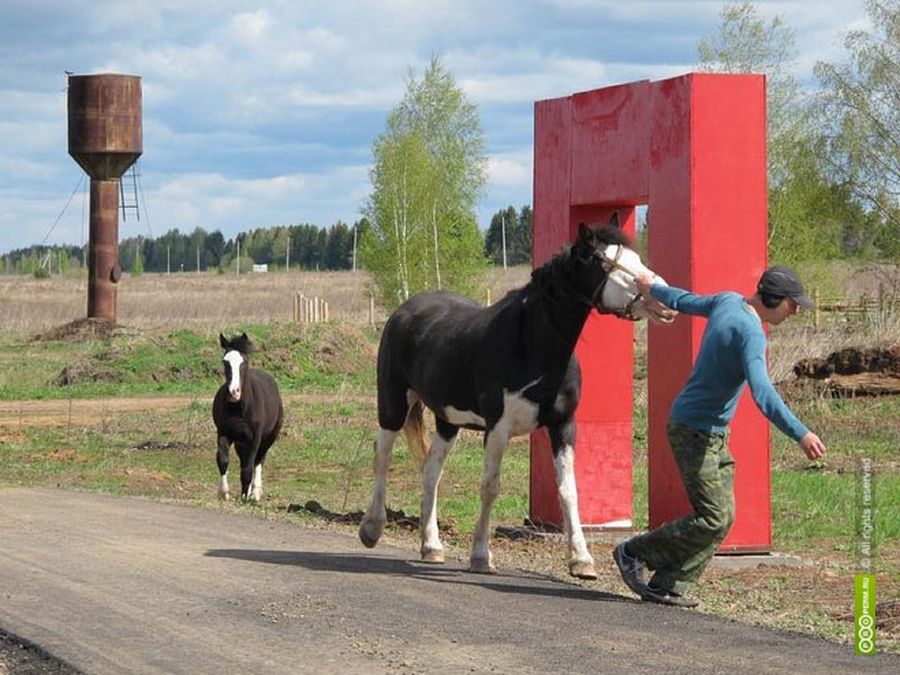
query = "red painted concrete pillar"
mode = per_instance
[{"x": 693, "y": 149}]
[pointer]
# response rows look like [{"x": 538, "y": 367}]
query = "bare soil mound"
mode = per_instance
[
  {"x": 855, "y": 371},
  {"x": 83, "y": 330}
]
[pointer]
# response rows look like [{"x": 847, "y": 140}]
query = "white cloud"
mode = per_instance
[
  {"x": 262, "y": 113},
  {"x": 248, "y": 28},
  {"x": 512, "y": 169}
]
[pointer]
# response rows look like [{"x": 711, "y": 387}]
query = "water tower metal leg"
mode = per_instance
[{"x": 103, "y": 251}]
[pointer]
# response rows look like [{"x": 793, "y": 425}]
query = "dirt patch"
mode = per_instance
[
  {"x": 398, "y": 518},
  {"x": 83, "y": 330},
  {"x": 86, "y": 371},
  {"x": 15, "y": 416},
  {"x": 80, "y": 412},
  {"x": 344, "y": 349},
  {"x": 855, "y": 371},
  {"x": 161, "y": 445},
  {"x": 25, "y": 658}
]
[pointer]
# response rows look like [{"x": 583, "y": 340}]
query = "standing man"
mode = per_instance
[{"x": 732, "y": 352}]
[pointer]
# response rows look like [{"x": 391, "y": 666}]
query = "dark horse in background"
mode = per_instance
[
  {"x": 505, "y": 370},
  {"x": 248, "y": 412}
]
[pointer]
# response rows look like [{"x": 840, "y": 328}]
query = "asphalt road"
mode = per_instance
[{"x": 116, "y": 585}]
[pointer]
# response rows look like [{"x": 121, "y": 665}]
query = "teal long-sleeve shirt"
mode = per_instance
[{"x": 732, "y": 354}]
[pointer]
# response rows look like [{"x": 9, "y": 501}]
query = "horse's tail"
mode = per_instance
[{"x": 415, "y": 434}]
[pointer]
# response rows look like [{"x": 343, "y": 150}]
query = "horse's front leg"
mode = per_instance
[
  {"x": 432, "y": 550},
  {"x": 562, "y": 440},
  {"x": 222, "y": 463},
  {"x": 495, "y": 441},
  {"x": 248, "y": 464},
  {"x": 256, "y": 485}
]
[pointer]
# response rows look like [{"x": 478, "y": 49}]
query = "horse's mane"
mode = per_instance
[{"x": 555, "y": 270}]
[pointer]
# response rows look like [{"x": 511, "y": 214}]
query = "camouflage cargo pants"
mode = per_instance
[{"x": 679, "y": 551}]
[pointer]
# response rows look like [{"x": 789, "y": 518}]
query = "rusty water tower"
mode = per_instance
[{"x": 105, "y": 138}]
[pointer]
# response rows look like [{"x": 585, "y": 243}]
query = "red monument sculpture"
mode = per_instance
[{"x": 693, "y": 150}]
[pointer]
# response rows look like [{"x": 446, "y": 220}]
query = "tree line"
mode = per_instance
[
  {"x": 305, "y": 246},
  {"x": 833, "y": 173}
]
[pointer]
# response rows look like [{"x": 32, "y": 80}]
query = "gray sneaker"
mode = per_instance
[
  {"x": 633, "y": 571},
  {"x": 664, "y": 597}
]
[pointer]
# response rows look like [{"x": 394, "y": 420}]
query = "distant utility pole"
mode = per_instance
[
  {"x": 198, "y": 258},
  {"x": 503, "y": 236},
  {"x": 354, "y": 247},
  {"x": 287, "y": 256},
  {"x": 238, "y": 256},
  {"x": 168, "y": 261}
]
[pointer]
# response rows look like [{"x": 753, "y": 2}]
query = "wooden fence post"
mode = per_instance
[
  {"x": 816, "y": 309},
  {"x": 372, "y": 310}
]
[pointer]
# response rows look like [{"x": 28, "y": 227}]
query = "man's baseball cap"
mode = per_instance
[{"x": 783, "y": 282}]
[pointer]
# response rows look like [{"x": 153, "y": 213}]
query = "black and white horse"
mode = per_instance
[
  {"x": 248, "y": 412},
  {"x": 506, "y": 370}
]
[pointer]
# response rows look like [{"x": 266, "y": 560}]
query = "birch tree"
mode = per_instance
[{"x": 428, "y": 174}]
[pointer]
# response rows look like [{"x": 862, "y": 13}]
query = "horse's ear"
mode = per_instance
[
  {"x": 614, "y": 220},
  {"x": 223, "y": 342},
  {"x": 243, "y": 344},
  {"x": 585, "y": 233}
]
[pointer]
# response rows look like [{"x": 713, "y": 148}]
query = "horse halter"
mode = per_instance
[{"x": 610, "y": 264}]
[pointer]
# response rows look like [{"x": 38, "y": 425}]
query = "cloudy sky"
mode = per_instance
[{"x": 264, "y": 113}]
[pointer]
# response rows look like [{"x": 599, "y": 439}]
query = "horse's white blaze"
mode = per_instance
[
  {"x": 462, "y": 417},
  {"x": 620, "y": 289},
  {"x": 235, "y": 359},
  {"x": 564, "y": 464}
]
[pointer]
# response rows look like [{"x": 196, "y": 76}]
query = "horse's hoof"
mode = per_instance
[
  {"x": 370, "y": 532},
  {"x": 583, "y": 569},
  {"x": 433, "y": 556},
  {"x": 225, "y": 496},
  {"x": 481, "y": 566}
]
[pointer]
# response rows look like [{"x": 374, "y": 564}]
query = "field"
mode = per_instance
[{"x": 129, "y": 414}]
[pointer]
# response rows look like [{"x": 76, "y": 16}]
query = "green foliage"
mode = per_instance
[
  {"x": 137, "y": 266},
  {"x": 806, "y": 212},
  {"x": 428, "y": 174},
  {"x": 860, "y": 115},
  {"x": 518, "y": 236},
  {"x": 809, "y": 212}
]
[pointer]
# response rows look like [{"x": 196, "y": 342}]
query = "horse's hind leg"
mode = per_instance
[
  {"x": 222, "y": 463},
  {"x": 562, "y": 438},
  {"x": 372, "y": 525},
  {"x": 432, "y": 550},
  {"x": 494, "y": 445}
]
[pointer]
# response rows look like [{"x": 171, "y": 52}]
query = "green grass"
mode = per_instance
[
  {"x": 310, "y": 357},
  {"x": 325, "y": 454}
]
